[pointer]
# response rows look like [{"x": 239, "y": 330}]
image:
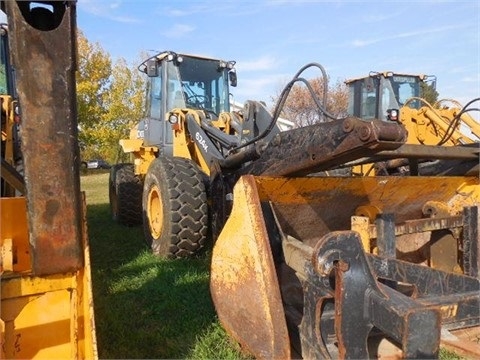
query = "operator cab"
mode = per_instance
[
  {"x": 179, "y": 81},
  {"x": 381, "y": 95}
]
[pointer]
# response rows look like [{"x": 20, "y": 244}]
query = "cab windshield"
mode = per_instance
[
  {"x": 198, "y": 83},
  {"x": 396, "y": 90}
]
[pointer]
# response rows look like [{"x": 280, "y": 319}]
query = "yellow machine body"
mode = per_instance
[
  {"x": 183, "y": 144},
  {"x": 42, "y": 317},
  {"x": 430, "y": 124}
]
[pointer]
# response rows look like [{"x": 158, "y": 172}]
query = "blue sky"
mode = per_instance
[{"x": 272, "y": 39}]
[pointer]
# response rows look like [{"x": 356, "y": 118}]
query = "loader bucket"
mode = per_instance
[
  {"x": 260, "y": 289},
  {"x": 244, "y": 283}
]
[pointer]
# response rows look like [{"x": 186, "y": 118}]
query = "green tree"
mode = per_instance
[
  {"x": 300, "y": 107},
  {"x": 92, "y": 81},
  {"x": 428, "y": 92},
  {"x": 109, "y": 100},
  {"x": 125, "y": 104}
]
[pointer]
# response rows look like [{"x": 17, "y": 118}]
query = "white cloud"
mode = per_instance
[
  {"x": 362, "y": 43},
  {"x": 266, "y": 62},
  {"x": 259, "y": 88},
  {"x": 105, "y": 10},
  {"x": 471, "y": 79},
  {"x": 212, "y": 8},
  {"x": 178, "y": 31}
]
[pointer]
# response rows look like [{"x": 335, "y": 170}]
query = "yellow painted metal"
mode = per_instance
[
  {"x": 183, "y": 144},
  {"x": 429, "y": 124},
  {"x": 142, "y": 155},
  {"x": 8, "y": 120},
  {"x": 14, "y": 234},
  {"x": 308, "y": 208},
  {"x": 47, "y": 317},
  {"x": 244, "y": 284},
  {"x": 144, "y": 158},
  {"x": 7, "y": 109},
  {"x": 361, "y": 225},
  {"x": 450, "y": 112},
  {"x": 311, "y": 207},
  {"x": 155, "y": 211}
]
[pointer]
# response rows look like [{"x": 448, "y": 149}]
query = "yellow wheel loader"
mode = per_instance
[
  {"x": 305, "y": 264},
  {"x": 398, "y": 97},
  {"x": 46, "y": 304},
  {"x": 169, "y": 171}
]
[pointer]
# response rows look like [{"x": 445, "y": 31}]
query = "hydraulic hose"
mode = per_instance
[{"x": 283, "y": 98}]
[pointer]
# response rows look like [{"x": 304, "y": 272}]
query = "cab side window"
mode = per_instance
[{"x": 155, "y": 96}]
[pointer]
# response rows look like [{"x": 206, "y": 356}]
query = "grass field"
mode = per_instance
[{"x": 146, "y": 307}]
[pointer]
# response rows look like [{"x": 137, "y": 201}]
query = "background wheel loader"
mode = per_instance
[
  {"x": 305, "y": 264},
  {"x": 397, "y": 97},
  {"x": 46, "y": 307},
  {"x": 169, "y": 171}
]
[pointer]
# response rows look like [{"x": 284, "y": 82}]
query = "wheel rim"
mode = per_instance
[{"x": 155, "y": 212}]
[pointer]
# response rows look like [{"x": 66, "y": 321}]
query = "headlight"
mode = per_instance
[
  {"x": 392, "y": 114},
  {"x": 173, "y": 119}
]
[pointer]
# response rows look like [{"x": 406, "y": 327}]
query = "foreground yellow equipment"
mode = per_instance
[
  {"x": 46, "y": 296},
  {"x": 304, "y": 264}
]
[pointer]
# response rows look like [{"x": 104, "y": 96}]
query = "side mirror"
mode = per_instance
[
  {"x": 232, "y": 76},
  {"x": 152, "y": 67}
]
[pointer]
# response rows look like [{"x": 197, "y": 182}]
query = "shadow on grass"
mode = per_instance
[{"x": 145, "y": 307}]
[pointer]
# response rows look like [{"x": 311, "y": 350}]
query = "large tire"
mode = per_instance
[
  {"x": 125, "y": 194},
  {"x": 175, "y": 210}
]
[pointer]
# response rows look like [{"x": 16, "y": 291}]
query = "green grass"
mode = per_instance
[{"x": 147, "y": 307}]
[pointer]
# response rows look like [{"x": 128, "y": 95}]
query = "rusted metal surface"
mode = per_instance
[
  {"x": 321, "y": 146},
  {"x": 471, "y": 241},
  {"x": 435, "y": 152},
  {"x": 243, "y": 281},
  {"x": 311, "y": 207},
  {"x": 456, "y": 295},
  {"x": 43, "y": 52},
  {"x": 344, "y": 301},
  {"x": 464, "y": 342},
  {"x": 361, "y": 303}
]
